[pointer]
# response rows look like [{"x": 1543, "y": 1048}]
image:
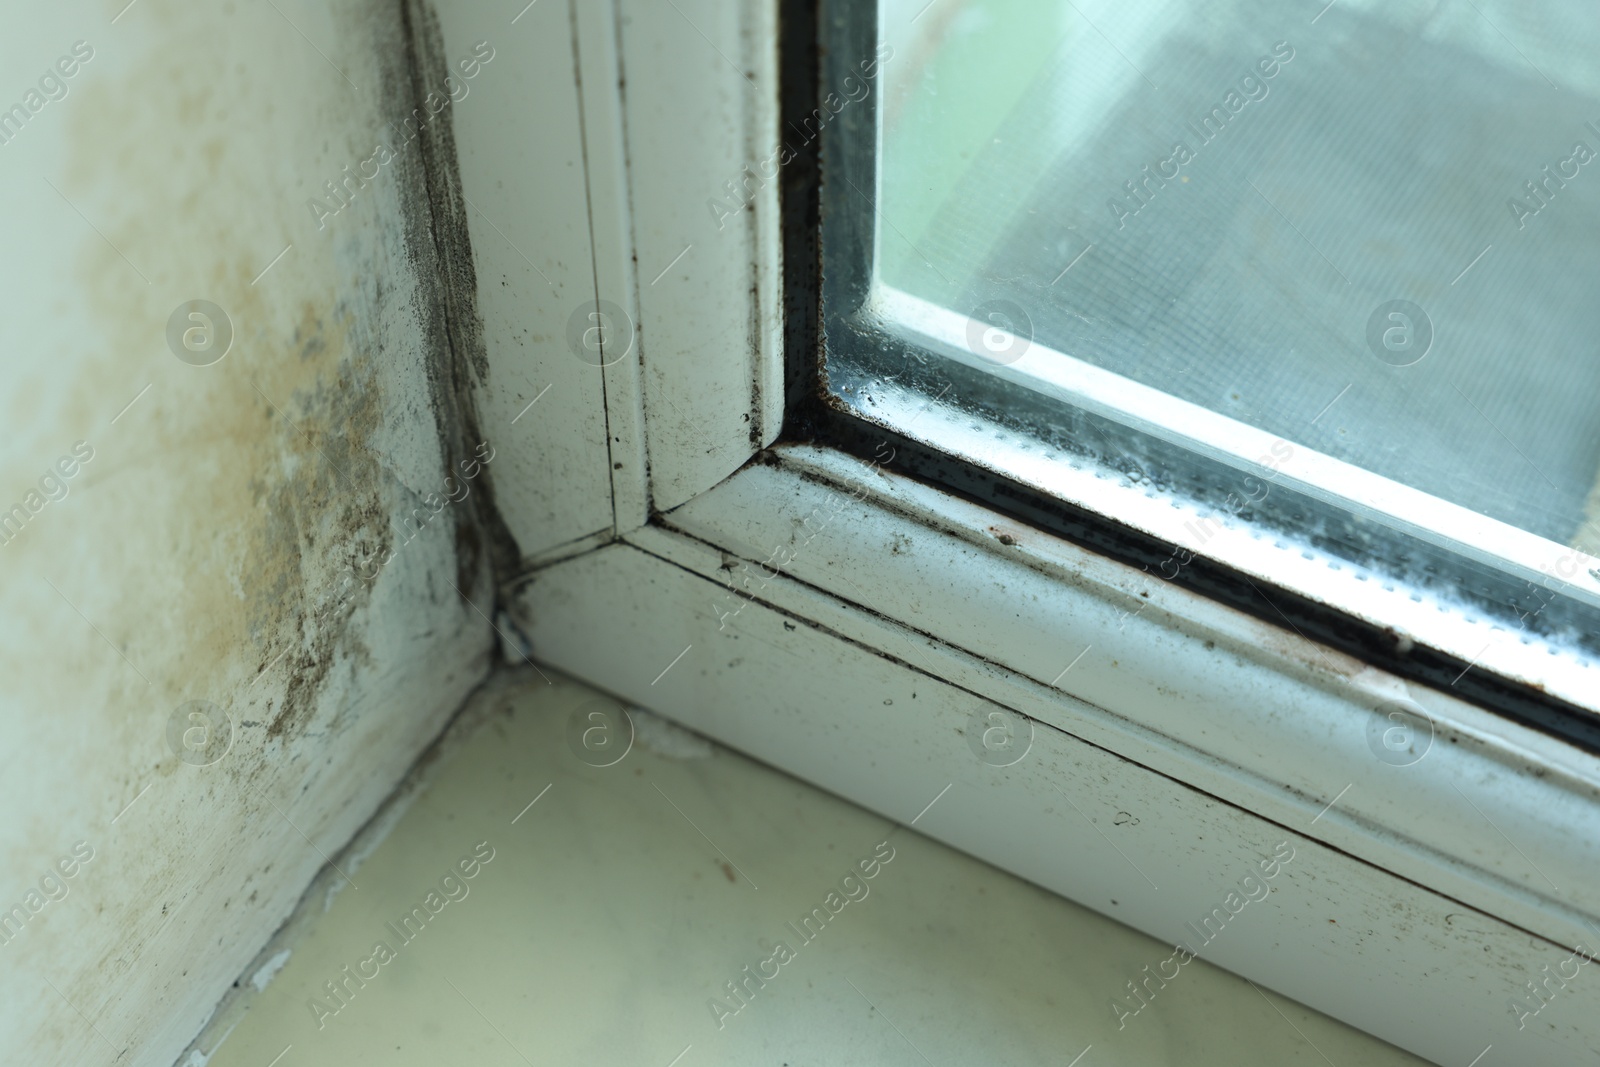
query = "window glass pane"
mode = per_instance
[
  {"x": 1350, "y": 250},
  {"x": 1394, "y": 210}
]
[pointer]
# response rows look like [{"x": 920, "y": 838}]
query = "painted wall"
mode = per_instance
[{"x": 190, "y": 521}]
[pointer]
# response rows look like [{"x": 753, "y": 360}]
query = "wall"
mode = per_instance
[{"x": 202, "y": 548}]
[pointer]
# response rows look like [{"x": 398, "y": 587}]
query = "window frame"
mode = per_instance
[{"x": 914, "y": 586}]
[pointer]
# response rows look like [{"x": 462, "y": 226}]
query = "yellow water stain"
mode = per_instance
[{"x": 230, "y": 500}]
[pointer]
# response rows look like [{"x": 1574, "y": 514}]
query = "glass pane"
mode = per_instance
[{"x": 1369, "y": 232}]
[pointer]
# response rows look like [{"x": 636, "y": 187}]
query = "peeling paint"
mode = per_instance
[
  {"x": 269, "y": 970},
  {"x": 437, "y": 216}
]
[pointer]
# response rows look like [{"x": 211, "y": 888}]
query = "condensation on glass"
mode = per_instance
[{"x": 1345, "y": 254}]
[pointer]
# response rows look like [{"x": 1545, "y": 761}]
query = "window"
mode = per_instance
[
  {"x": 860, "y": 532},
  {"x": 1287, "y": 307}
]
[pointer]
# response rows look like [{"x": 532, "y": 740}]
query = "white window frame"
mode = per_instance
[{"x": 878, "y": 619}]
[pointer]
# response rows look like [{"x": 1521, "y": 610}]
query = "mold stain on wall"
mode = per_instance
[{"x": 207, "y": 551}]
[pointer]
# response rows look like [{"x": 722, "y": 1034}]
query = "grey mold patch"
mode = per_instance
[
  {"x": 437, "y": 235},
  {"x": 334, "y": 507}
]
